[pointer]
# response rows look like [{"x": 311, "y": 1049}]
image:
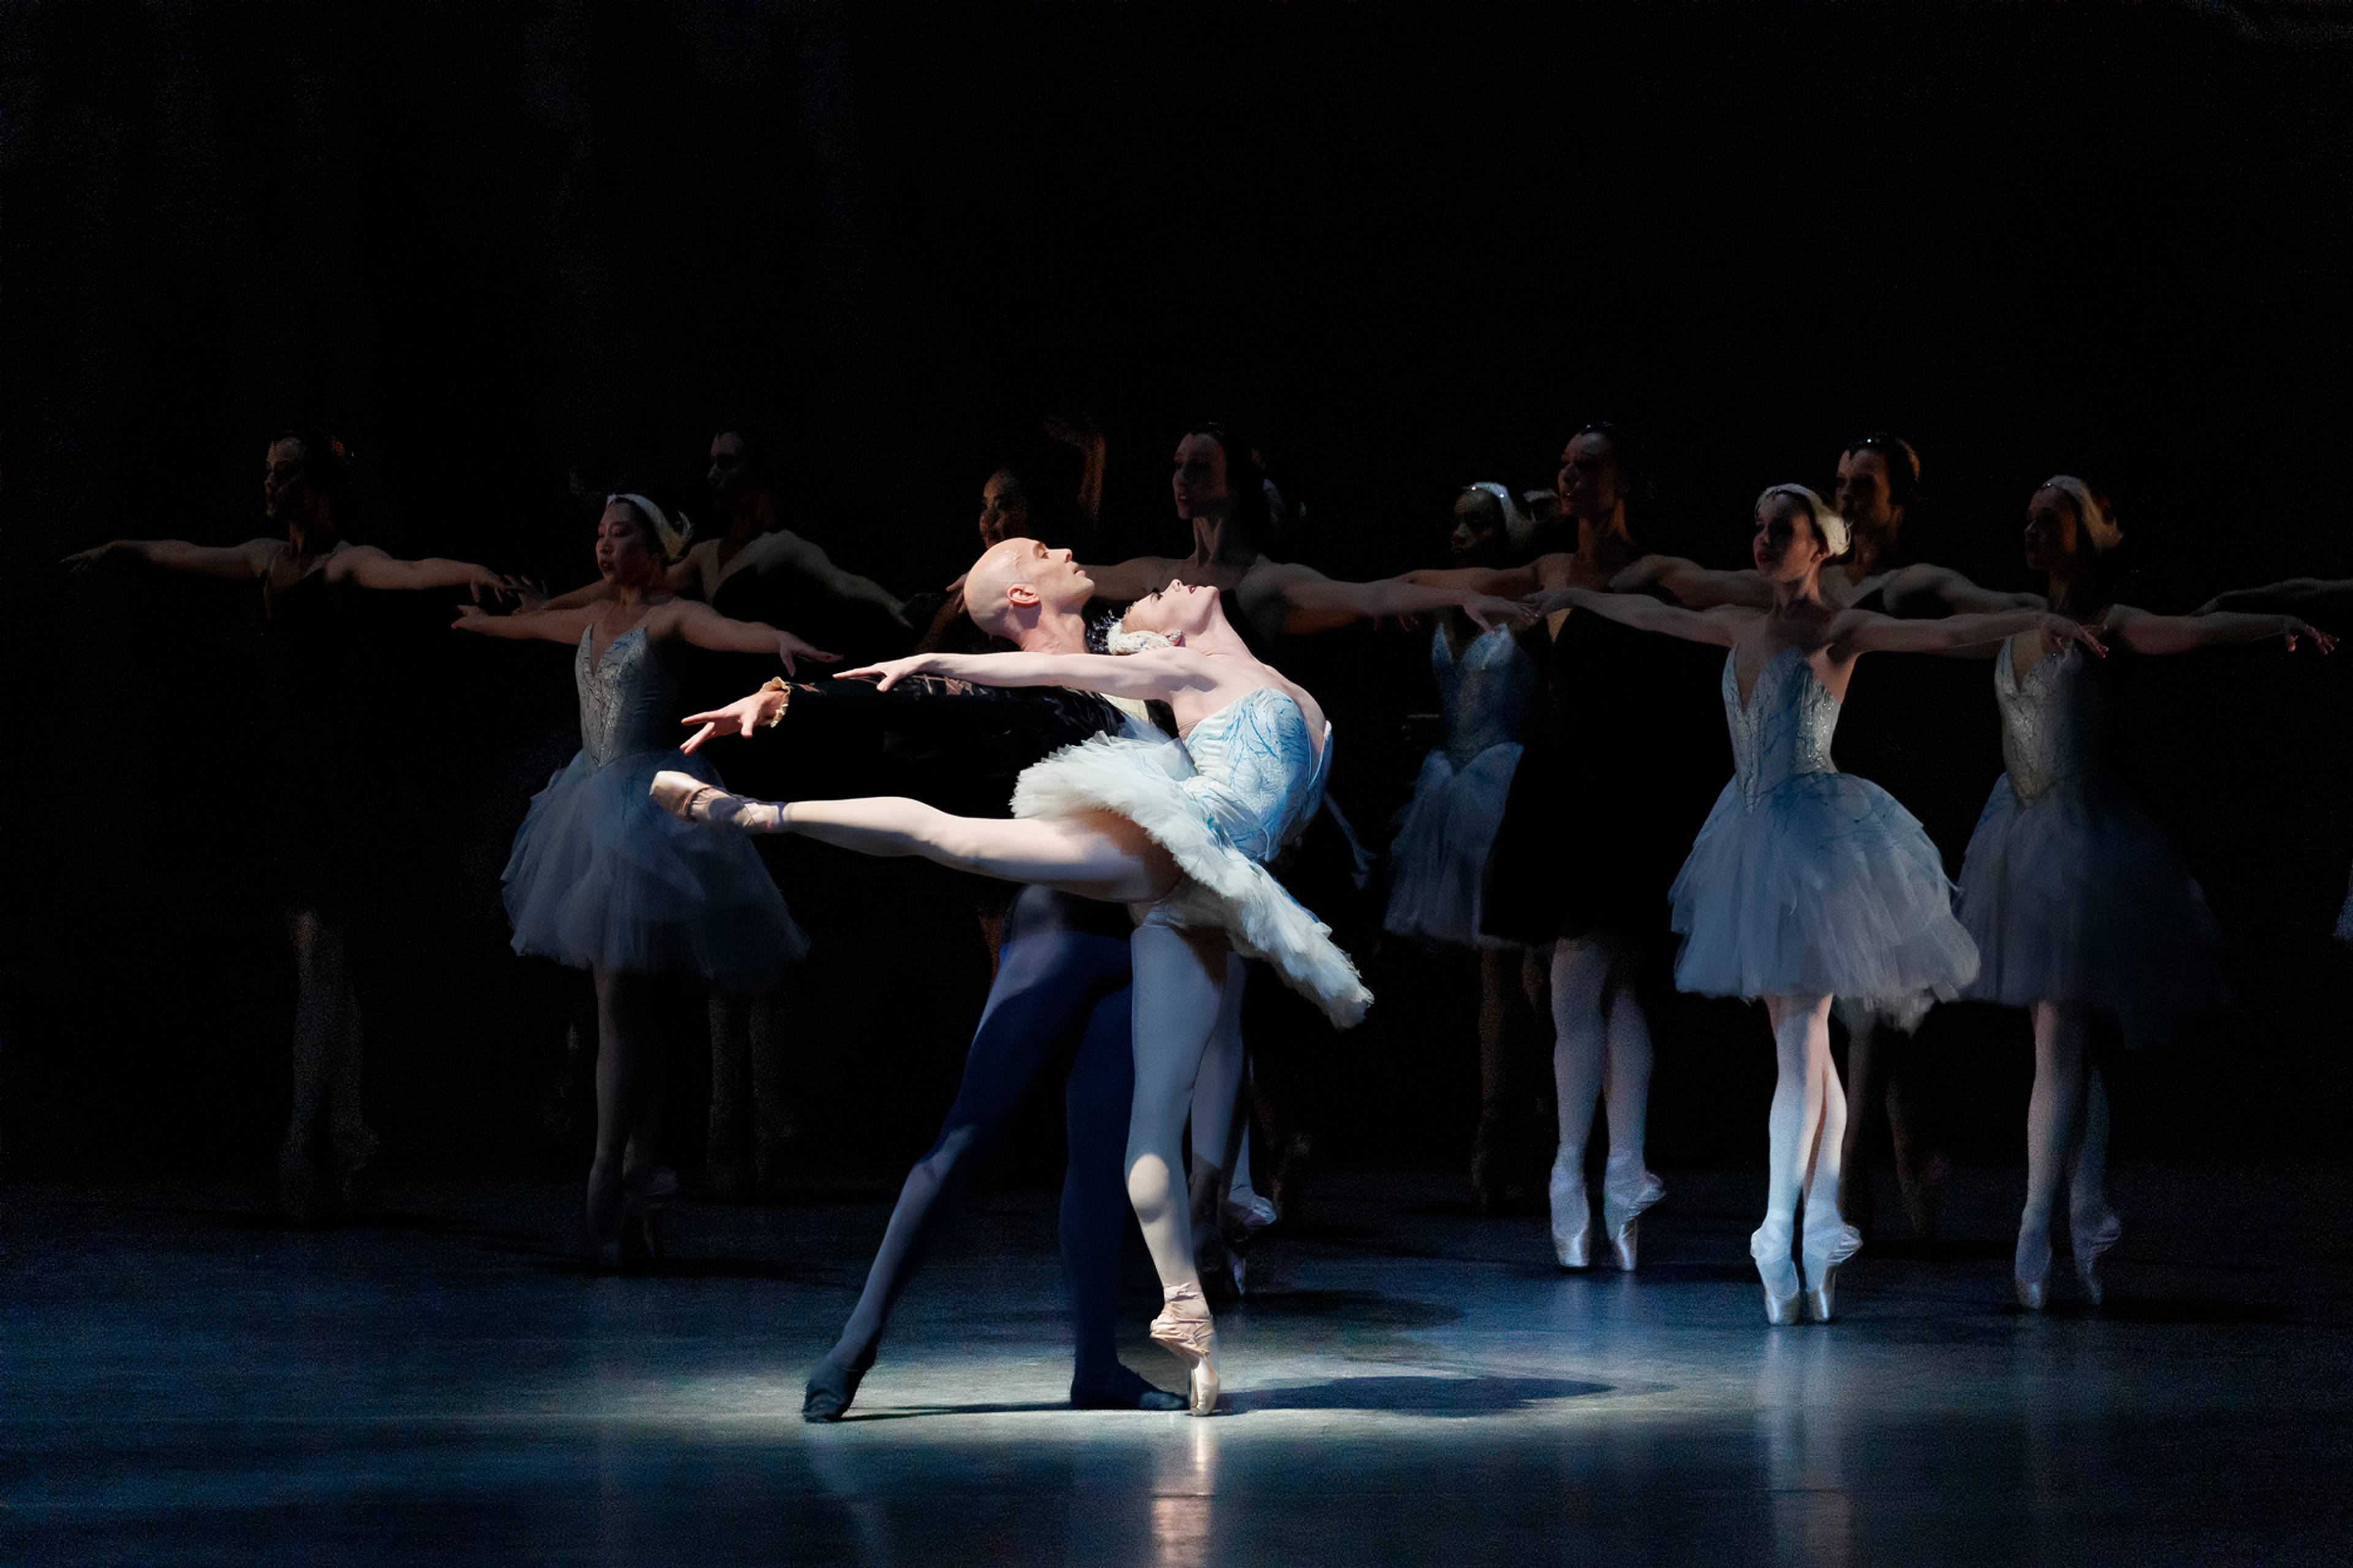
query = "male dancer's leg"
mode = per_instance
[
  {"x": 1049, "y": 983},
  {"x": 1097, "y": 1097}
]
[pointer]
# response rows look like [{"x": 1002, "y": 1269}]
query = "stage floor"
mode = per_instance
[{"x": 186, "y": 1384}]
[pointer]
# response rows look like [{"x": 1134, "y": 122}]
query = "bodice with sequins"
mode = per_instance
[
  {"x": 628, "y": 702},
  {"x": 2051, "y": 719},
  {"x": 1257, "y": 774},
  {"x": 1784, "y": 730},
  {"x": 1487, "y": 692}
]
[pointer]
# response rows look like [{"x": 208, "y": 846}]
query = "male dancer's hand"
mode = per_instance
[{"x": 762, "y": 709}]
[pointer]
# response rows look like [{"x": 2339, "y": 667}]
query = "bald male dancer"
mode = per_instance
[{"x": 1060, "y": 997}]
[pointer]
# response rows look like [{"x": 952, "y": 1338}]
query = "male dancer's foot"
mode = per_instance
[{"x": 834, "y": 1385}]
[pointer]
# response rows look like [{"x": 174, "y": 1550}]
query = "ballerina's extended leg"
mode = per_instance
[
  {"x": 1792, "y": 1130},
  {"x": 1829, "y": 1240},
  {"x": 2054, "y": 1121},
  {"x": 1627, "y": 1187},
  {"x": 2093, "y": 1227},
  {"x": 1580, "y": 978}
]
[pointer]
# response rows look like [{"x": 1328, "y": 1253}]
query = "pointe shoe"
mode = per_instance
[
  {"x": 1828, "y": 1243},
  {"x": 2030, "y": 1274},
  {"x": 1242, "y": 1224},
  {"x": 1769, "y": 1245},
  {"x": 1192, "y": 1337},
  {"x": 2091, "y": 1236},
  {"x": 1627, "y": 1189},
  {"x": 1572, "y": 1217}
]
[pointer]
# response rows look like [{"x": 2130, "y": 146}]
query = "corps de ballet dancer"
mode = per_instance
[
  {"x": 600, "y": 880},
  {"x": 1105, "y": 819},
  {"x": 1487, "y": 688},
  {"x": 310, "y": 579},
  {"x": 1581, "y": 859},
  {"x": 1806, "y": 883},
  {"x": 2080, "y": 904}
]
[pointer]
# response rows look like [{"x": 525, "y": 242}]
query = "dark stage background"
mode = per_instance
[{"x": 496, "y": 245}]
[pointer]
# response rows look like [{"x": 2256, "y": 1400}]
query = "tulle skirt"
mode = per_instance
[
  {"x": 601, "y": 875},
  {"x": 2079, "y": 896},
  {"x": 1438, "y": 862},
  {"x": 1220, "y": 886},
  {"x": 1826, "y": 886}
]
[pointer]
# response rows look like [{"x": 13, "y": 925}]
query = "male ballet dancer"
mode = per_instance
[{"x": 1062, "y": 994}]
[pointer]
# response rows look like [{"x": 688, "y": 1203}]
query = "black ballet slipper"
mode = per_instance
[
  {"x": 830, "y": 1389},
  {"x": 1122, "y": 1389}
]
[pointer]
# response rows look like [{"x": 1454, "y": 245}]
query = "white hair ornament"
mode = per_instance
[
  {"x": 1118, "y": 639},
  {"x": 673, "y": 534},
  {"x": 1518, "y": 527},
  {"x": 2097, "y": 524},
  {"x": 1836, "y": 536}
]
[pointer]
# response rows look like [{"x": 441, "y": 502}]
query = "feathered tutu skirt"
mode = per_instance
[
  {"x": 2079, "y": 896},
  {"x": 1438, "y": 861},
  {"x": 1221, "y": 887},
  {"x": 1825, "y": 887},
  {"x": 601, "y": 875}
]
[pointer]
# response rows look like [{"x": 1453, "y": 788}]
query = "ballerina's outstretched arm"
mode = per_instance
[
  {"x": 683, "y": 619},
  {"x": 1853, "y": 632},
  {"x": 2290, "y": 591},
  {"x": 1720, "y": 627},
  {"x": 241, "y": 562},
  {"x": 2146, "y": 633},
  {"x": 1155, "y": 675}
]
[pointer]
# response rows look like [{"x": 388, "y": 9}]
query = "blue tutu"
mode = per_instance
[
  {"x": 1807, "y": 881},
  {"x": 602, "y": 876},
  {"x": 2072, "y": 891},
  {"x": 1438, "y": 862}
]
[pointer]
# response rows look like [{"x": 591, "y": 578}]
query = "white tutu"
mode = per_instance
[
  {"x": 1438, "y": 861},
  {"x": 601, "y": 875},
  {"x": 1257, "y": 785},
  {"x": 2078, "y": 896},
  {"x": 1826, "y": 886}
]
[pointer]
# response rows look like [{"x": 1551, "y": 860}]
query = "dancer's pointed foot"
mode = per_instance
[
  {"x": 2092, "y": 1233},
  {"x": 1769, "y": 1245},
  {"x": 2030, "y": 1270},
  {"x": 1184, "y": 1328},
  {"x": 1120, "y": 1389},
  {"x": 1829, "y": 1241},
  {"x": 1572, "y": 1215},
  {"x": 1628, "y": 1189},
  {"x": 831, "y": 1386}
]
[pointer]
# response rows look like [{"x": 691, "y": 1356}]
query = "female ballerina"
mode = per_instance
[
  {"x": 1487, "y": 687},
  {"x": 1806, "y": 883},
  {"x": 1103, "y": 819},
  {"x": 308, "y": 580},
  {"x": 1578, "y": 873},
  {"x": 600, "y": 880},
  {"x": 2079, "y": 903}
]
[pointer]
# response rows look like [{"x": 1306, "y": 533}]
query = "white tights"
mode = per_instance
[
  {"x": 1180, "y": 986},
  {"x": 2066, "y": 1133},
  {"x": 1600, "y": 1050},
  {"x": 1805, "y": 1129}
]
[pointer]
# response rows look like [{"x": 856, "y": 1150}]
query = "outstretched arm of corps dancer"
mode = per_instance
[
  {"x": 245, "y": 562},
  {"x": 1313, "y": 603},
  {"x": 2292, "y": 591},
  {"x": 1721, "y": 627},
  {"x": 1865, "y": 631},
  {"x": 2145, "y": 633},
  {"x": 1155, "y": 675}
]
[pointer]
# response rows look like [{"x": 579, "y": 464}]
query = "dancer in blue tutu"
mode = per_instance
[
  {"x": 1806, "y": 883},
  {"x": 2079, "y": 902},
  {"x": 602, "y": 879}
]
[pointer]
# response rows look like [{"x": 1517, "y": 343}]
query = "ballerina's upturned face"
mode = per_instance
[
  {"x": 1786, "y": 546},
  {"x": 1004, "y": 509},
  {"x": 626, "y": 551},
  {"x": 2053, "y": 531},
  {"x": 1178, "y": 612},
  {"x": 1865, "y": 496},
  {"x": 1199, "y": 480}
]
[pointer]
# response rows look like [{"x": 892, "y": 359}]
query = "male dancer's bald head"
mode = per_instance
[{"x": 1021, "y": 591}]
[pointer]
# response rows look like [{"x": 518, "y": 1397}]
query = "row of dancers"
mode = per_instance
[{"x": 1163, "y": 762}]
